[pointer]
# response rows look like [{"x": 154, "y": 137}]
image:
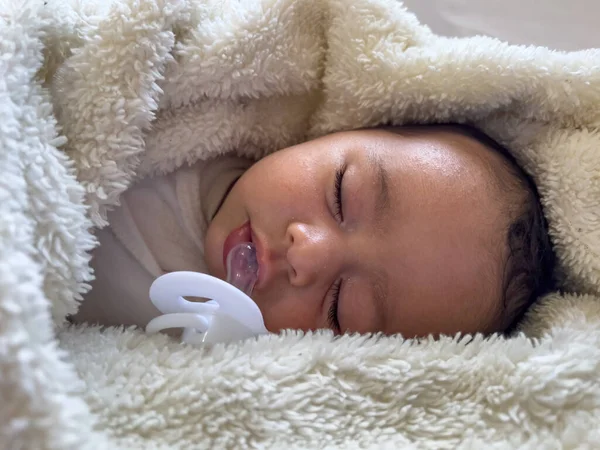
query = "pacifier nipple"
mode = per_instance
[{"x": 242, "y": 267}]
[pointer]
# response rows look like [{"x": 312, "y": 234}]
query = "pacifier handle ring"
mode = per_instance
[
  {"x": 179, "y": 320},
  {"x": 168, "y": 291}
]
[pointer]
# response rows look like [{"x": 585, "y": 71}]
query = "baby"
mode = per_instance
[{"x": 413, "y": 230}]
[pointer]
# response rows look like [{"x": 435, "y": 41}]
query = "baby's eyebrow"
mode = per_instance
[
  {"x": 379, "y": 281},
  {"x": 379, "y": 286},
  {"x": 382, "y": 205}
]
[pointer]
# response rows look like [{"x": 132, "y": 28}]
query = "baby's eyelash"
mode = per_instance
[
  {"x": 339, "y": 177},
  {"x": 332, "y": 315}
]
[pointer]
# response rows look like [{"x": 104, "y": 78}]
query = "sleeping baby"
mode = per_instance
[{"x": 422, "y": 230}]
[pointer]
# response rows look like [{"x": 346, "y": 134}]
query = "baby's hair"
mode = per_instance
[{"x": 529, "y": 267}]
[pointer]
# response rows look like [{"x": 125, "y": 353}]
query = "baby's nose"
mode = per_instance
[{"x": 311, "y": 254}]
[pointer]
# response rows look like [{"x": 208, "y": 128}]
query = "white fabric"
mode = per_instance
[
  {"x": 144, "y": 86},
  {"x": 557, "y": 24},
  {"x": 159, "y": 227}
]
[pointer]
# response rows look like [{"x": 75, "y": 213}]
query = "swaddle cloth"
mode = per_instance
[
  {"x": 158, "y": 227},
  {"x": 97, "y": 94}
]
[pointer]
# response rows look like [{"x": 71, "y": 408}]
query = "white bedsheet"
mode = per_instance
[{"x": 558, "y": 24}]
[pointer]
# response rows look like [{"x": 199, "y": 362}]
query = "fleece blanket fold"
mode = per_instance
[{"x": 95, "y": 94}]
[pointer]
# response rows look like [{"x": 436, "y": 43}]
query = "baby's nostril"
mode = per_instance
[{"x": 293, "y": 273}]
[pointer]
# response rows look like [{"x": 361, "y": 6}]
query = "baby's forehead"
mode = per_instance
[
  {"x": 446, "y": 139},
  {"x": 472, "y": 152},
  {"x": 448, "y": 151}
]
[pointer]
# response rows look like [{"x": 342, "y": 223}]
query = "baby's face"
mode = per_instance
[{"x": 372, "y": 231}]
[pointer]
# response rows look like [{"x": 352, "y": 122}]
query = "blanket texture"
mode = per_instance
[{"x": 94, "y": 94}]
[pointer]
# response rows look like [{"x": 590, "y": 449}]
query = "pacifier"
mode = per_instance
[{"x": 229, "y": 314}]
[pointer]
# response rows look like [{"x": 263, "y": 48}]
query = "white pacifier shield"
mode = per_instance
[{"x": 230, "y": 315}]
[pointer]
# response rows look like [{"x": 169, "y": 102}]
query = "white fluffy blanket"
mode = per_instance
[{"x": 103, "y": 91}]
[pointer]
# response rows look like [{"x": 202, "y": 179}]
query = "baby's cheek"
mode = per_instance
[
  {"x": 358, "y": 312},
  {"x": 281, "y": 312}
]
